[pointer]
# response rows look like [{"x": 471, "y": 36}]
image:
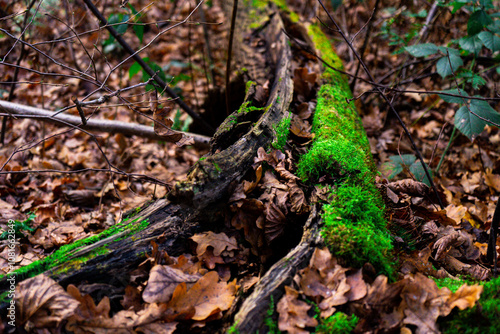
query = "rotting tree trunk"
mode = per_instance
[
  {"x": 192, "y": 205},
  {"x": 265, "y": 53}
]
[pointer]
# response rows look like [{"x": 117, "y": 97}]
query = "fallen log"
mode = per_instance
[
  {"x": 192, "y": 205},
  {"x": 264, "y": 51}
]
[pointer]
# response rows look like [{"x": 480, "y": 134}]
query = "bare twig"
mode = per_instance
[
  {"x": 423, "y": 33},
  {"x": 135, "y": 55},
  {"x": 365, "y": 43},
  {"x": 92, "y": 124}
]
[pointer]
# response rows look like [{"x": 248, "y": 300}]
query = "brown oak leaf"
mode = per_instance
[
  {"x": 162, "y": 282},
  {"x": 43, "y": 302},
  {"x": 293, "y": 316}
]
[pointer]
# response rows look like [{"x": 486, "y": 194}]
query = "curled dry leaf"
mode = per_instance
[
  {"x": 275, "y": 222},
  {"x": 43, "y": 302},
  {"x": 162, "y": 282},
  {"x": 410, "y": 187},
  {"x": 293, "y": 316},
  {"x": 451, "y": 239},
  {"x": 326, "y": 282},
  {"x": 465, "y": 297},
  {"x": 162, "y": 127}
]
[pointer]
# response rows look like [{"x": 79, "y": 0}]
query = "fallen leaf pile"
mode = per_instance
[
  {"x": 414, "y": 300},
  {"x": 173, "y": 295}
]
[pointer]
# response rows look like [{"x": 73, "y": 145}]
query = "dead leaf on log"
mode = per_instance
[
  {"x": 162, "y": 127},
  {"x": 293, "y": 316},
  {"x": 297, "y": 199},
  {"x": 43, "y": 302},
  {"x": 162, "y": 282}
]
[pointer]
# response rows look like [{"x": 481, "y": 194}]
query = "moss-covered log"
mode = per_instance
[
  {"x": 340, "y": 149},
  {"x": 192, "y": 205}
]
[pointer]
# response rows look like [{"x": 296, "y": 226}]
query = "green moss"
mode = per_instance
[
  {"x": 269, "y": 321},
  {"x": 451, "y": 283},
  {"x": 482, "y": 318},
  {"x": 338, "y": 323},
  {"x": 355, "y": 228},
  {"x": 282, "y": 130},
  {"x": 66, "y": 253}
]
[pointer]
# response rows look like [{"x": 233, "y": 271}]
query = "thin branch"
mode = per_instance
[
  {"x": 92, "y": 124},
  {"x": 135, "y": 55}
]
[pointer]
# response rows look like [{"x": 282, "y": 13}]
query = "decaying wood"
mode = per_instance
[
  {"x": 233, "y": 149},
  {"x": 189, "y": 208},
  {"x": 251, "y": 315}
]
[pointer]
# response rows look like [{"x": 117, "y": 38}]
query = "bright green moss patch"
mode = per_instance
[
  {"x": 282, "y": 130},
  {"x": 355, "y": 228},
  {"x": 450, "y": 283},
  {"x": 338, "y": 323},
  {"x": 336, "y": 157},
  {"x": 66, "y": 252},
  {"x": 482, "y": 318}
]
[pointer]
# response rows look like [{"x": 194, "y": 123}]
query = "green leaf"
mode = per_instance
[
  {"x": 490, "y": 40},
  {"x": 470, "y": 77},
  {"x": 486, "y": 4},
  {"x": 418, "y": 172},
  {"x": 399, "y": 162},
  {"x": 134, "y": 69},
  {"x": 477, "y": 21},
  {"x": 443, "y": 64},
  {"x": 472, "y": 44},
  {"x": 457, "y": 5},
  {"x": 454, "y": 99},
  {"x": 422, "y": 50},
  {"x": 336, "y": 4},
  {"x": 469, "y": 124},
  {"x": 139, "y": 31},
  {"x": 483, "y": 109}
]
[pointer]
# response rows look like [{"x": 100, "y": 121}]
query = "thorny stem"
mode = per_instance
[{"x": 367, "y": 71}]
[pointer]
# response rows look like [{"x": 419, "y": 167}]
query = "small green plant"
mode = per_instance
[
  {"x": 181, "y": 125},
  {"x": 120, "y": 22},
  {"x": 282, "y": 131},
  {"x": 397, "y": 17},
  {"x": 233, "y": 329},
  {"x": 483, "y": 30},
  {"x": 20, "y": 227},
  {"x": 338, "y": 323}
]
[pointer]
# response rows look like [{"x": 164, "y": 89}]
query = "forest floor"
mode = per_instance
[{"x": 99, "y": 177}]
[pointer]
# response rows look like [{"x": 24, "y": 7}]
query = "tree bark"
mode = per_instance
[{"x": 193, "y": 205}]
